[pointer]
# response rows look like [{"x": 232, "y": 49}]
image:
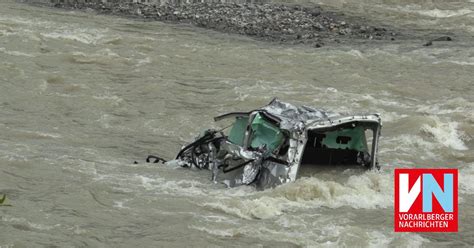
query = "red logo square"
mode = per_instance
[{"x": 426, "y": 200}]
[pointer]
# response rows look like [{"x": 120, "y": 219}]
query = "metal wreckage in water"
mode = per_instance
[{"x": 270, "y": 145}]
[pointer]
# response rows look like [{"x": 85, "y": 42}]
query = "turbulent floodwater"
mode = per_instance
[{"x": 83, "y": 96}]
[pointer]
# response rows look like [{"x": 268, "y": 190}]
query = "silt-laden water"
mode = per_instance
[{"x": 83, "y": 96}]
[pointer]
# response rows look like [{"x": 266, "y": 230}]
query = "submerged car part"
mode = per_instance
[{"x": 269, "y": 146}]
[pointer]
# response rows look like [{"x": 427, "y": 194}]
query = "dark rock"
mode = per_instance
[
  {"x": 443, "y": 38},
  {"x": 315, "y": 13}
]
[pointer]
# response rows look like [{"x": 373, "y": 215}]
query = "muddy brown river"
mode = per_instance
[{"x": 82, "y": 96}]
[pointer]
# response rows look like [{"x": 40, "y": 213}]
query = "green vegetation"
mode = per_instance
[{"x": 2, "y": 201}]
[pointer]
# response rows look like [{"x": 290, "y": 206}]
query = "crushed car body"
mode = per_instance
[{"x": 269, "y": 146}]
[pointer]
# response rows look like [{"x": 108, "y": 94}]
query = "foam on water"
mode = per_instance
[
  {"x": 471, "y": 62},
  {"x": 320, "y": 233},
  {"x": 28, "y": 134},
  {"x": 16, "y": 53},
  {"x": 26, "y": 224},
  {"x": 466, "y": 179},
  {"x": 370, "y": 190},
  {"x": 38, "y": 29},
  {"x": 367, "y": 191},
  {"x": 181, "y": 188},
  {"x": 446, "y": 106},
  {"x": 115, "y": 100},
  {"x": 435, "y": 12},
  {"x": 101, "y": 57},
  {"x": 282, "y": 208},
  {"x": 406, "y": 144},
  {"x": 261, "y": 208},
  {"x": 445, "y": 133},
  {"x": 438, "y": 13},
  {"x": 8, "y": 19},
  {"x": 431, "y": 137},
  {"x": 120, "y": 204},
  {"x": 86, "y": 36},
  {"x": 377, "y": 239}
]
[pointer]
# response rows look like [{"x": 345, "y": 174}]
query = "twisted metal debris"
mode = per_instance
[{"x": 268, "y": 146}]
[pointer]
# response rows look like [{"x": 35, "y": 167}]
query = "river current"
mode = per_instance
[{"x": 82, "y": 96}]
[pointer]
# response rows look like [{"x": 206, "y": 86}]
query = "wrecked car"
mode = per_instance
[{"x": 271, "y": 145}]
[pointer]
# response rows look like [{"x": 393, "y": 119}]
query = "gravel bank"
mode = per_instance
[{"x": 292, "y": 24}]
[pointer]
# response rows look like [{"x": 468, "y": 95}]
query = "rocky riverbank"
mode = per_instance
[{"x": 292, "y": 24}]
